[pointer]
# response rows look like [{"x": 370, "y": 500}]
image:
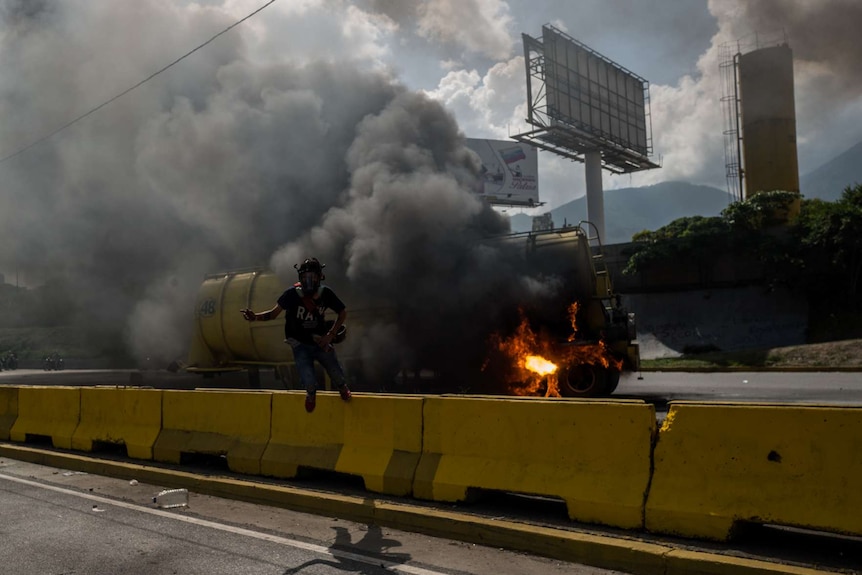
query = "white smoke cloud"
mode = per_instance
[
  {"x": 211, "y": 165},
  {"x": 220, "y": 160}
]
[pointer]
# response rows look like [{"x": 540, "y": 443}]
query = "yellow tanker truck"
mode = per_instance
[{"x": 222, "y": 341}]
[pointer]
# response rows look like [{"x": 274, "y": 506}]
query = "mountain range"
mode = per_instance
[
  {"x": 829, "y": 180},
  {"x": 631, "y": 210}
]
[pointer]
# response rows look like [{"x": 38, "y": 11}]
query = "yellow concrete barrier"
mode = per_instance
[
  {"x": 377, "y": 437},
  {"x": 129, "y": 417},
  {"x": 595, "y": 455},
  {"x": 8, "y": 410},
  {"x": 49, "y": 411},
  {"x": 230, "y": 423},
  {"x": 716, "y": 464}
]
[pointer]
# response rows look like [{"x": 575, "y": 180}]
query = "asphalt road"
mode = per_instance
[
  {"x": 658, "y": 388},
  {"x": 816, "y": 388},
  {"x": 64, "y": 522}
]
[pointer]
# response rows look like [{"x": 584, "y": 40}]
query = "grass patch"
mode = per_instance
[
  {"x": 834, "y": 354},
  {"x": 713, "y": 359}
]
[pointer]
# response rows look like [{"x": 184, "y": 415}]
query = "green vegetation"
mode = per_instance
[
  {"x": 751, "y": 228},
  {"x": 748, "y": 359},
  {"x": 815, "y": 248},
  {"x": 812, "y": 247},
  {"x": 829, "y": 236},
  {"x": 761, "y": 224}
]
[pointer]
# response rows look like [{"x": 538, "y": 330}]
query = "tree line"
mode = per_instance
[{"x": 808, "y": 245}]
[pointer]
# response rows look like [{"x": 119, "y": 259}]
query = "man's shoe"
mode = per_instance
[
  {"x": 344, "y": 391},
  {"x": 310, "y": 402}
]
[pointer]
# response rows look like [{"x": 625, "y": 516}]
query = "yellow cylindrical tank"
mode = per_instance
[
  {"x": 768, "y": 120},
  {"x": 222, "y": 337},
  {"x": 223, "y": 340}
]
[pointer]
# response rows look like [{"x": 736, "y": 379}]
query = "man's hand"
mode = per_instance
[
  {"x": 248, "y": 314},
  {"x": 325, "y": 342}
]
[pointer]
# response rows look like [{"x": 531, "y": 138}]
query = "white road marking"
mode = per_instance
[{"x": 319, "y": 549}]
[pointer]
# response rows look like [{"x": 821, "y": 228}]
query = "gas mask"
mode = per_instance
[{"x": 310, "y": 282}]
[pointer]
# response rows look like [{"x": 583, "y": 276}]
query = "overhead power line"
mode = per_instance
[{"x": 124, "y": 92}]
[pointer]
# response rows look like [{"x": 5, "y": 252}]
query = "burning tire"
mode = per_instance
[{"x": 587, "y": 381}]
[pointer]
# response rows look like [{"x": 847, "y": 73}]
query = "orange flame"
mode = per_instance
[
  {"x": 533, "y": 359},
  {"x": 539, "y": 364},
  {"x": 573, "y": 313}
]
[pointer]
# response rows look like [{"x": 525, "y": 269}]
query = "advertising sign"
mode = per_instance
[
  {"x": 592, "y": 93},
  {"x": 510, "y": 172}
]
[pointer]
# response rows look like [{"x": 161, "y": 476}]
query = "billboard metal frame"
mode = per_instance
[{"x": 609, "y": 109}]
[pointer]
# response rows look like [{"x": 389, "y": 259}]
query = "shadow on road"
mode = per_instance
[{"x": 373, "y": 547}]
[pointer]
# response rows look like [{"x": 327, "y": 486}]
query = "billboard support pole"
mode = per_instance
[{"x": 595, "y": 194}]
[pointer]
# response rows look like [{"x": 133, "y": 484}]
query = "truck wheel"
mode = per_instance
[{"x": 583, "y": 381}]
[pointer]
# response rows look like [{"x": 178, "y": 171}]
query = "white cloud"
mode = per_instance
[
  {"x": 687, "y": 128},
  {"x": 489, "y": 106},
  {"x": 480, "y": 26},
  {"x": 450, "y": 64},
  {"x": 367, "y": 33},
  {"x": 304, "y": 30}
]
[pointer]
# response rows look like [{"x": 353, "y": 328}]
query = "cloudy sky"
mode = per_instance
[
  {"x": 469, "y": 56},
  {"x": 334, "y": 127}
]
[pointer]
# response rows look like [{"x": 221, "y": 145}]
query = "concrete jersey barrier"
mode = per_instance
[
  {"x": 8, "y": 410},
  {"x": 711, "y": 466},
  {"x": 377, "y": 437},
  {"x": 595, "y": 455},
  {"x": 235, "y": 424},
  {"x": 128, "y": 417},
  {"x": 719, "y": 464},
  {"x": 49, "y": 411}
]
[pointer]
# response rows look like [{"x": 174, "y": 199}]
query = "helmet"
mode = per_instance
[{"x": 310, "y": 274}]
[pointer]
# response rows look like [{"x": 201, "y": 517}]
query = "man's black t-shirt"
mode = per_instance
[{"x": 304, "y": 318}]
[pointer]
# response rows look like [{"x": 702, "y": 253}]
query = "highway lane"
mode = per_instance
[
  {"x": 659, "y": 388},
  {"x": 817, "y": 388},
  {"x": 63, "y": 520},
  {"x": 58, "y": 521}
]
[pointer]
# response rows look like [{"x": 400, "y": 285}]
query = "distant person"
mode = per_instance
[{"x": 305, "y": 330}]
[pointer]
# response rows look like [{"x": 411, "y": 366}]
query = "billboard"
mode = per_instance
[
  {"x": 593, "y": 94},
  {"x": 510, "y": 172}
]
